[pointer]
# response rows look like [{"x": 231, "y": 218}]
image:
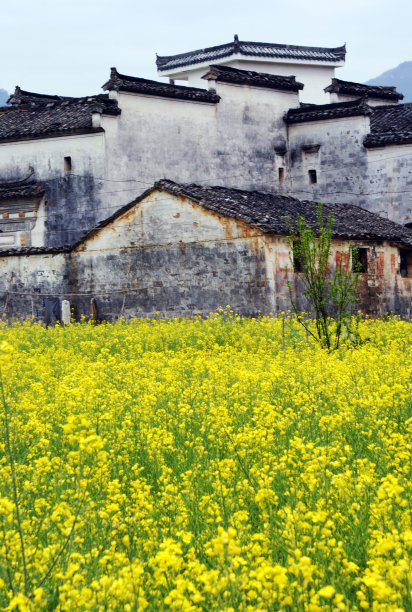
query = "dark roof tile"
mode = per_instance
[
  {"x": 28, "y": 97},
  {"x": 38, "y": 115},
  {"x": 359, "y": 90},
  {"x": 225, "y": 74},
  {"x": 321, "y": 112},
  {"x": 122, "y": 82},
  {"x": 25, "y": 251},
  {"x": 253, "y": 49},
  {"x": 268, "y": 212},
  {"x": 390, "y": 125}
]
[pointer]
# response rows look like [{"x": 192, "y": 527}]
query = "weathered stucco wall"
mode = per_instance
[
  {"x": 25, "y": 279},
  {"x": 75, "y": 200},
  {"x": 170, "y": 256},
  {"x": 377, "y": 179},
  {"x": 390, "y": 182},
  {"x": 334, "y": 149},
  {"x": 230, "y": 143},
  {"x": 250, "y": 128}
]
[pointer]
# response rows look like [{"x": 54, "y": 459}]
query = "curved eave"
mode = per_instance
[
  {"x": 181, "y": 70},
  {"x": 378, "y": 141},
  {"x": 211, "y": 99},
  {"x": 56, "y": 134}
]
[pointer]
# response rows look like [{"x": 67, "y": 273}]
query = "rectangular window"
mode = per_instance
[
  {"x": 68, "y": 164},
  {"x": 360, "y": 260},
  {"x": 281, "y": 174},
  {"x": 406, "y": 263},
  {"x": 313, "y": 177}
]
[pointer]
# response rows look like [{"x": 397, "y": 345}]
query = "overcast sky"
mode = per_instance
[{"x": 68, "y": 46}]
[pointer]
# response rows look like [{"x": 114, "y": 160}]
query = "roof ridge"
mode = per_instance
[
  {"x": 341, "y": 48},
  {"x": 161, "y": 59},
  {"x": 267, "y": 211},
  {"x": 43, "y": 101},
  {"x": 139, "y": 85},
  {"x": 53, "y": 118},
  {"x": 352, "y": 88},
  {"x": 247, "y": 48},
  {"x": 114, "y": 74},
  {"x": 229, "y": 74},
  {"x": 313, "y": 107},
  {"x": 391, "y": 87}
]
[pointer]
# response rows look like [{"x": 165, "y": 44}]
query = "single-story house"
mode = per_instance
[{"x": 188, "y": 249}]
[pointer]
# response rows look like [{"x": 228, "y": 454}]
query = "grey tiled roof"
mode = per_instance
[
  {"x": 41, "y": 116},
  {"x": 20, "y": 189},
  {"x": 390, "y": 125},
  {"x": 358, "y": 89},
  {"x": 28, "y": 97},
  {"x": 251, "y": 49},
  {"x": 268, "y": 212},
  {"x": 321, "y": 112},
  {"x": 225, "y": 74},
  {"x": 122, "y": 82}
]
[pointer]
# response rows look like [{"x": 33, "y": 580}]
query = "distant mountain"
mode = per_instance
[
  {"x": 4, "y": 96},
  {"x": 400, "y": 77}
]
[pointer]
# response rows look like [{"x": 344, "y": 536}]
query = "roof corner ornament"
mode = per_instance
[
  {"x": 15, "y": 98},
  {"x": 236, "y": 45}
]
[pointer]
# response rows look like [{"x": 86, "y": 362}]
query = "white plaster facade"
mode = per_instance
[
  {"x": 378, "y": 179},
  {"x": 241, "y": 141},
  {"x": 314, "y": 77}
]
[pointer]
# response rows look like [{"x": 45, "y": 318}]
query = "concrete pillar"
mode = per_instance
[{"x": 66, "y": 314}]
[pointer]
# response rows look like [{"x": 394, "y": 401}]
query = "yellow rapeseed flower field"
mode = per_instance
[{"x": 195, "y": 465}]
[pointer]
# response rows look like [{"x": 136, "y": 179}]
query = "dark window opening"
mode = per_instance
[
  {"x": 297, "y": 258},
  {"x": 68, "y": 164},
  {"x": 313, "y": 177},
  {"x": 406, "y": 263},
  {"x": 360, "y": 260},
  {"x": 281, "y": 174}
]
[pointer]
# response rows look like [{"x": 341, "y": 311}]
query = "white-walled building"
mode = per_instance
[
  {"x": 313, "y": 66},
  {"x": 67, "y": 164}
]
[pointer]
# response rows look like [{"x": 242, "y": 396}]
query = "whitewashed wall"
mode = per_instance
[
  {"x": 378, "y": 179},
  {"x": 230, "y": 143},
  {"x": 340, "y": 162},
  {"x": 389, "y": 182},
  {"x": 314, "y": 77},
  {"x": 74, "y": 201}
]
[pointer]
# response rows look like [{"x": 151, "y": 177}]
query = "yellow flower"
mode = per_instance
[{"x": 327, "y": 592}]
